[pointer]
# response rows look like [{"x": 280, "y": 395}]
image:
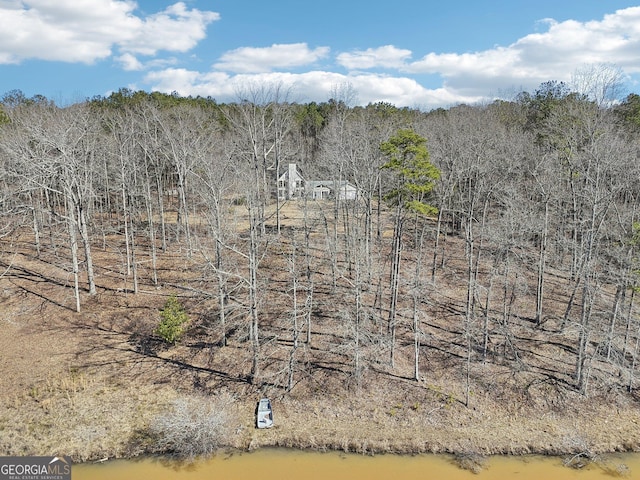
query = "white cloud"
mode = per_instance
[
  {"x": 129, "y": 62},
  {"x": 80, "y": 31},
  {"x": 310, "y": 86},
  {"x": 387, "y": 56},
  {"x": 175, "y": 29},
  {"x": 551, "y": 55},
  {"x": 555, "y": 52},
  {"x": 87, "y": 31},
  {"x": 255, "y": 60},
  {"x": 189, "y": 82}
]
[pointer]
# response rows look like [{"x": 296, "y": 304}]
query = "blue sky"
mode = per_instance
[{"x": 414, "y": 53}]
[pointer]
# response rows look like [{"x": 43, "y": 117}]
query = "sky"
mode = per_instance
[{"x": 411, "y": 53}]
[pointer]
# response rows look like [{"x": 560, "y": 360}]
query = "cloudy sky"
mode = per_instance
[{"x": 414, "y": 53}]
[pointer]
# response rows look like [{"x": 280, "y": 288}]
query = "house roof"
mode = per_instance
[{"x": 285, "y": 175}]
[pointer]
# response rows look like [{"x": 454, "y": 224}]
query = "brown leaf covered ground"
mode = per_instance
[{"x": 89, "y": 384}]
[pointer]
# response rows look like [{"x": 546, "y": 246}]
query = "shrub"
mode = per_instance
[
  {"x": 194, "y": 426},
  {"x": 173, "y": 321}
]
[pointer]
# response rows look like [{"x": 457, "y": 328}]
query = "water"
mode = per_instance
[{"x": 282, "y": 464}]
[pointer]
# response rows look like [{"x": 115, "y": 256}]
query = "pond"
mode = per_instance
[{"x": 283, "y": 464}]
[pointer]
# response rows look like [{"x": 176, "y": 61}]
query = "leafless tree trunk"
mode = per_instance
[
  {"x": 396, "y": 256},
  {"x": 416, "y": 294},
  {"x": 73, "y": 245},
  {"x": 254, "y": 221},
  {"x": 541, "y": 265},
  {"x": 295, "y": 331}
]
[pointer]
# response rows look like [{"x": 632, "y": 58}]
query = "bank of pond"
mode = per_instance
[{"x": 285, "y": 464}]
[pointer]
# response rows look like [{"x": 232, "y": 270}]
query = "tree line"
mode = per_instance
[{"x": 527, "y": 208}]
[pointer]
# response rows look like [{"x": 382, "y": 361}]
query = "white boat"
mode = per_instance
[{"x": 264, "y": 414}]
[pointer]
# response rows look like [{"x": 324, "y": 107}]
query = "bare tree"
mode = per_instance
[{"x": 56, "y": 151}]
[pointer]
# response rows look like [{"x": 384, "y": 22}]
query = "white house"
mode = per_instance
[{"x": 292, "y": 185}]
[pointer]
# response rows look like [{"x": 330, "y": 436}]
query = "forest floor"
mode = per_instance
[{"x": 89, "y": 384}]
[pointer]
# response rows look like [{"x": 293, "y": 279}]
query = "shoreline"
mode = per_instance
[
  {"x": 457, "y": 432},
  {"x": 91, "y": 415},
  {"x": 113, "y": 422},
  {"x": 91, "y": 419},
  {"x": 476, "y": 433}
]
